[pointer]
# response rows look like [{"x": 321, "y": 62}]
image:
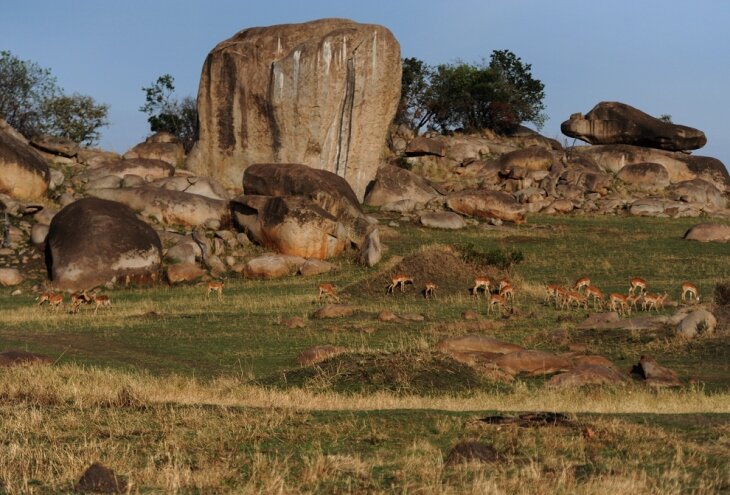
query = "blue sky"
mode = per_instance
[{"x": 661, "y": 56}]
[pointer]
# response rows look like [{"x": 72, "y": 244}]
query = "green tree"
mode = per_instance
[
  {"x": 77, "y": 117},
  {"x": 32, "y": 102},
  {"x": 169, "y": 114},
  {"x": 24, "y": 88},
  {"x": 499, "y": 95}
]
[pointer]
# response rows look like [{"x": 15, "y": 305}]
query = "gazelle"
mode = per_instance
[
  {"x": 481, "y": 283},
  {"x": 101, "y": 301},
  {"x": 216, "y": 287},
  {"x": 430, "y": 288},
  {"x": 652, "y": 301},
  {"x": 637, "y": 283},
  {"x": 575, "y": 297},
  {"x": 502, "y": 283},
  {"x": 621, "y": 301},
  {"x": 582, "y": 282},
  {"x": 327, "y": 290},
  {"x": 561, "y": 294},
  {"x": 688, "y": 288},
  {"x": 507, "y": 292},
  {"x": 397, "y": 280},
  {"x": 496, "y": 300},
  {"x": 45, "y": 297},
  {"x": 595, "y": 294}
]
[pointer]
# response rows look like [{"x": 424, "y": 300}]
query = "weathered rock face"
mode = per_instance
[
  {"x": 321, "y": 93},
  {"x": 93, "y": 241},
  {"x": 617, "y": 123},
  {"x": 645, "y": 176},
  {"x": 613, "y": 158},
  {"x": 532, "y": 158},
  {"x": 291, "y": 225},
  {"x": 168, "y": 207},
  {"x": 708, "y": 232},
  {"x": 55, "y": 145},
  {"x": 23, "y": 172},
  {"x": 394, "y": 184},
  {"x": 329, "y": 191},
  {"x": 143, "y": 167},
  {"x": 160, "y": 146},
  {"x": 700, "y": 322},
  {"x": 699, "y": 191},
  {"x": 202, "y": 186},
  {"x": 487, "y": 204}
]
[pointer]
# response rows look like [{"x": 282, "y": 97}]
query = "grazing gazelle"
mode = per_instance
[
  {"x": 582, "y": 282},
  {"x": 430, "y": 289},
  {"x": 502, "y": 283},
  {"x": 506, "y": 291},
  {"x": 481, "y": 283},
  {"x": 690, "y": 291},
  {"x": 45, "y": 297},
  {"x": 496, "y": 300},
  {"x": 575, "y": 297},
  {"x": 637, "y": 283},
  {"x": 551, "y": 292},
  {"x": 399, "y": 279},
  {"x": 595, "y": 294},
  {"x": 621, "y": 301},
  {"x": 214, "y": 287},
  {"x": 652, "y": 301},
  {"x": 327, "y": 290}
]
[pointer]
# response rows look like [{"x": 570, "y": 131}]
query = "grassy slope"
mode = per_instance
[{"x": 176, "y": 442}]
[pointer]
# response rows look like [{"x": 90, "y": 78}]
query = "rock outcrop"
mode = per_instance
[
  {"x": 24, "y": 173},
  {"x": 159, "y": 146},
  {"x": 487, "y": 204},
  {"x": 93, "y": 241},
  {"x": 618, "y": 123},
  {"x": 322, "y": 93},
  {"x": 394, "y": 184}
]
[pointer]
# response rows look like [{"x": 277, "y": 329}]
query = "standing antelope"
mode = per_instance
[
  {"x": 430, "y": 288},
  {"x": 327, "y": 290},
  {"x": 652, "y": 301},
  {"x": 507, "y": 292},
  {"x": 496, "y": 300},
  {"x": 45, "y": 297},
  {"x": 637, "y": 283},
  {"x": 582, "y": 282},
  {"x": 575, "y": 297},
  {"x": 595, "y": 294},
  {"x": 502, "y": 283},
  {"x": 688, "y": 288},
  {"x": 622, "y": 302},
  {"x": 216, "y": 287},
  {"x": 633, "y": 299},
  {"x": 401, "y": 280},
  {"x": 481, "y": 283},
  {"x": 101, "y": 301}
]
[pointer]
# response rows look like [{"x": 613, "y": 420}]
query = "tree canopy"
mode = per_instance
[
  {"x": 499, "y": 95},
  {"x": 32, "y": 103},
  {"x": 168, "y": 113}
]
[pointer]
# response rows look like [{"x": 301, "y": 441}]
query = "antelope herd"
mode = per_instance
[{"x": 55, "y": 300}]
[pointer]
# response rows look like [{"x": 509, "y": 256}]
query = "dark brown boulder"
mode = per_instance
[
  {"x": 422, "y": 146},
  {"x": 93, "y": 241},
  {"x": 654, "y": 374},
  {"x": 329, "y": 191},
  {"x": 645, "y": 176},
  {"x": 618, "y": 123},
  {"x": 394, "y": 184},
  {"x": 292, "y": 225},
  {"x": 100, "y": 479},
  {"x": 24, "y": 173}
]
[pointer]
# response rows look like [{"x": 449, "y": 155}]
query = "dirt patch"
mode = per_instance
[
  {"x": 405, "y": 372},
  {"x": 442, "y": 265},
  {"x": 531, "y": 420}
]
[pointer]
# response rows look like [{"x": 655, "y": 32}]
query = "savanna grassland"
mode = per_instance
[{"x": 177, "y": 392}]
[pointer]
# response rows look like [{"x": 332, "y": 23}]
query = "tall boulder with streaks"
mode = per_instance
[{"x": 321, "y": 93}]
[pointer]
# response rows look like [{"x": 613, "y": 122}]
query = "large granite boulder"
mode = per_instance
[
  {"x": 169, "y": 207},
  {"x": 292, "y": 225},
  {"x": 160, "y": 146},
  {"x": 532, "y": 158},
  {"x": 645, "y": 176},
  {"x": 148, "y": 168},
  {"x": 614, "y": 157},
  {"x": 612, "y": 122},
  {"x": 487, "y": 204},
  {"x": 326, "y": 189},
  {"x": 394, "y": 184},
  {"x": 24, "y": 173},
  {"x": 321, "y": 93},
  {"x": 93, "y": 241}
]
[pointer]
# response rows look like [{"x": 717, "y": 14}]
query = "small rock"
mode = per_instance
[
  {"x": 294, "y": 322},
  {"x": 388, "y": 316},
  {"x": 184, "y": 272},
  {"x": 443, "y": 220},
  {"x": 699, "y": 322},
  {"x": 38, "y": 234},
  {"x": 16, "y": 292},
  {"x": 315, "y": 267},
  {"x": 100, "y": 479},
  {"x": 334, "y": 311},
  {"x": 217, "y": 267},
  {"x": 470, "y": 315},
  {"x": 10, "y": 276},
  {"x": 654, "y": 374}
]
